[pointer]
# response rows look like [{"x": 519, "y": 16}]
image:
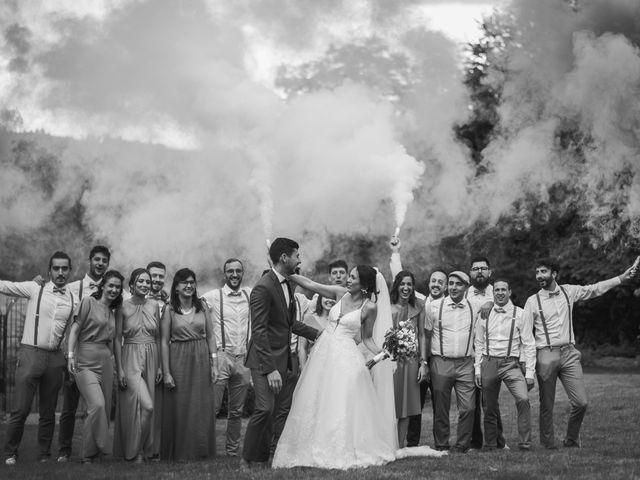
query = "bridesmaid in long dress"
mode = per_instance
[
  {"x": 137, "y": 353},
  {"x": 90, "y": 361},
  {"x": 190, "y": 367},
  {"x": 408, "y": 314}
]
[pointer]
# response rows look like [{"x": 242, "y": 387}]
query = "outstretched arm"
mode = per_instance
[{"x": 328, "y": 291}]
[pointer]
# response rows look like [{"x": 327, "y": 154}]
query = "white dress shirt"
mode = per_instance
[
  {"x": 458, "y": 325},
  {"x": 55, "y": 313},
  {"x": 499, "y": 328},
  {"x": 556, "y": 312},
  {"x": 235, "y": 310},
  {"x": 479, "y": 297}
]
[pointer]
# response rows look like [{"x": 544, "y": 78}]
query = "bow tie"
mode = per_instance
[
  {"x": 235, "y": 294},
  {"x": 456, "y": 305},
  {"x": 478, "y": 292},
  {"x": 500, "y": 310},
  {"x": 94, "y": 285},
  {"x": 554, "y": 294},
  {"x": 60, "y": 290}
]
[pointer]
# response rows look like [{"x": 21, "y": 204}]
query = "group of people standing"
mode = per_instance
[{"x": 323, "y": 396}]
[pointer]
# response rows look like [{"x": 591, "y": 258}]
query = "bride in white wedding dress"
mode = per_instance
[{"x": 341, "y": 418}]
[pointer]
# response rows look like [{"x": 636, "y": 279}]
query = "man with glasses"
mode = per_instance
[
  {"x": 229, "y": 308},
  {"x": 480, "y": 293}
]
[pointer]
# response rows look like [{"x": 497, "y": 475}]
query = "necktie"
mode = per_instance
[
  {"x": 456, "y": 305},
  {"x": 554, "y": 294},
  {"x": 500, "y": 310},
  {"x": 60, "y": 290}
]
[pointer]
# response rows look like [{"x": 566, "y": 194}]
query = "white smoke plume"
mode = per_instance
[{"x": 179, "y": 154}]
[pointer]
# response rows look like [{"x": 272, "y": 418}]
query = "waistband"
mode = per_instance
[
  {"x": 497, "y": 357},
  {"x": 105, "y": 343},
  {"x": 139, "y": 340},
  {"x": 564, "y": 346},
  {"x": 230, "y": 354},
  {"x": 188, "y": 340},
  {"x": 39, "y": 349},
  {"x": 452, "y": 358}
]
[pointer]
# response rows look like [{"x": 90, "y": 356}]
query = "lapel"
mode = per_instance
[{"x": 279, "y": 293}]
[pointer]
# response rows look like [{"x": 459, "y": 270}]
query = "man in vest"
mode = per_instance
[
  {"x": 550, "y": 311},
  {"x": 40, "y": 361},
  {"x": 450, "y": 325},
  {"x": 499, "y": 341},
  {"x": 99, "y": 258},
  {"x": 229, "y": 308}
]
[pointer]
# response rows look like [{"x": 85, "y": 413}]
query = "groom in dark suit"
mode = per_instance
[{"x": 273, "y": 319}]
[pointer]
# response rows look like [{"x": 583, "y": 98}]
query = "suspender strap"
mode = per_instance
[
  {"x": 466, "y": 351},
  {"x": 440, "y": 327},
  {"x": 70, "y": 315},
  {"x": 544, "y": 322},
  {"x": 80, "y": 291},
  {"x": 486, "y": 333},
  {"x": 35, "y": 329},
  {"x": 224, "y": 343},
  {"x": 570, "y": 312},
  {"x": 248, "y": 316},
  {"x": 513, "y": 326}
]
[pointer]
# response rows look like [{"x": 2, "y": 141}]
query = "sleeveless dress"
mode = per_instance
[
  {"x": 405, "y": 378},
  {"x": 140, "y": 361},
  {"x": 94, "y": 375},
  {"x": 188, "y": 420},
  {"x": 336, "y": 416}
]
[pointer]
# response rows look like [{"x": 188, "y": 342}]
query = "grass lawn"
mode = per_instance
[{"x": 610, "y": 438}]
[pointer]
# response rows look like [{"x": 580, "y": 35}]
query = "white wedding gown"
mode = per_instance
[{"x": 336, "y": 419}]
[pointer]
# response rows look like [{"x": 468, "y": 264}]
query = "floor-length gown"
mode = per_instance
[
  {"x": 336, "y": 417},
  {"x": 94, "y": 374},
  {"x": 188, "y": 420},
  {"x": 140, "y": 362}
]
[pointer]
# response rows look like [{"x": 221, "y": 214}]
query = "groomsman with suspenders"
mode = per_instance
[
  {"x": 229, "y": 308},
  {"x": 99, "y": 258},
  {"x": 480, "y": 292},
  {"x": 40, "y": 361},
  {"x": 550, "y": 311},
  {"x": 450, "y": 324},
  {"x": 498, "y": 342},
  {"x": 158, "y": 273}
]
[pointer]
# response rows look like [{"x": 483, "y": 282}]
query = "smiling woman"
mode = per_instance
[
  {"x": 190, "y": 367},
  {"x": 138, "y": 365}
]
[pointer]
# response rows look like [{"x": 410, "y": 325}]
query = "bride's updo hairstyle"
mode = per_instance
[{"x": 367, "y": 276}]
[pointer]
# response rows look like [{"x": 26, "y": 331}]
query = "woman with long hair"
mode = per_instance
[
  {"x": 137, "y": 353},
  {"x": 408, "y": 317},
  {"x": 318, "y": 319},
  {"x": 190, "y": 367},
  {"x": 91, "y": 363},
  {"x": 337, "y": 419}
]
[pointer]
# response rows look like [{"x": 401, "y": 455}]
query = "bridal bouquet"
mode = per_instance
[{"x": 399, "y": 344}]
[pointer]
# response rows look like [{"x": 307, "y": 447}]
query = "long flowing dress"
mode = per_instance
[
  {"x": 140, "y": 362},
  {"x": 94, "y": 373},
  {"x": 336, "y": 417},
  {"x": 188, "y": 419},
  {"x": 405, "y": 378}
]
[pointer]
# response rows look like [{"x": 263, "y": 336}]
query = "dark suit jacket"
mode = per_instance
[{"x": 272, "y": 322}]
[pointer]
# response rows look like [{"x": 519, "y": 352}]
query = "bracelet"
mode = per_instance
[
  {"x": 71, "y": 354},
  {"x": 214, "y": 355}
]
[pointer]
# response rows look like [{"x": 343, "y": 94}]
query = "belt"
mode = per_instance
[
  {"x": 452, "y": 358},
  {"x": 564, "y": 346},
  {"x": 497, "y": 357},
  {"x": 139, "y": 340}
]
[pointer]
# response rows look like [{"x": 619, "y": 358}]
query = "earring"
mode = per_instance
[{"x": 364, "y": 291}]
